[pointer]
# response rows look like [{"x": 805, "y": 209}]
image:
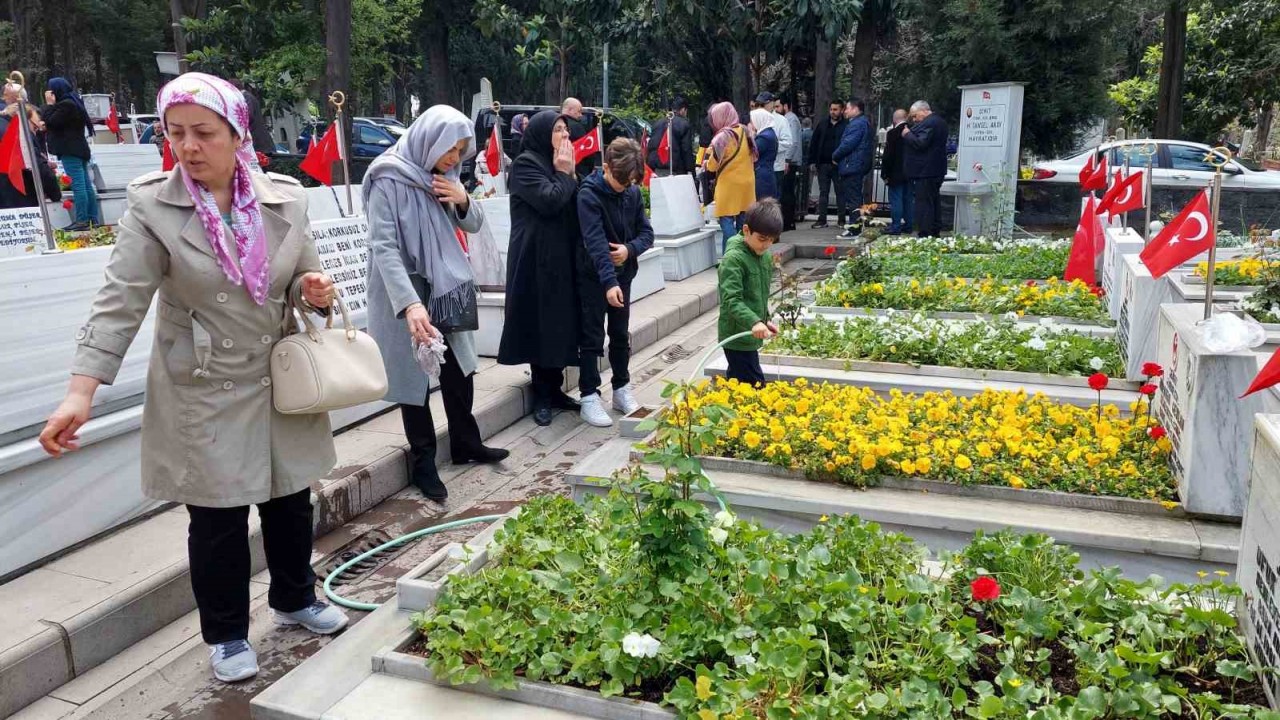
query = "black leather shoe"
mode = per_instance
[
  {"x": 561, "y": 401},
  {"x": 481, "y": 454},
  {"x": 431, "y": 486},
  {"x": 818, "y": 225},
  {"x": 542, "y": 416}
]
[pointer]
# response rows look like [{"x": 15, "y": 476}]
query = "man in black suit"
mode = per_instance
[
  {"x": 925, "y": 164},
  {"x": 901, "y": 197},
  {"x": 826, "y": 138}
]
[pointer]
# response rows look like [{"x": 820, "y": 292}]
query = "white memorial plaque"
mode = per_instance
[
  {"x": 1119, "y": 243},
  {"x": 1139, "y": 316},
  {"x": 984, "y": 125},
  {"x": 1258, "y": 567},
  {"x": 990, "y": 138},
  {"x": 21, "y": 231},
  {"x": 344, "y": 254}
]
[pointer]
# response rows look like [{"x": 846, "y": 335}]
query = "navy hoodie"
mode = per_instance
[{"x": 622, "y": 213}]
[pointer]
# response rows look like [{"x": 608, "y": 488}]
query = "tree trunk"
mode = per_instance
[
  {"x": 434, "y": 41},
  {"x": 1265, "y": 119},
  {"x": 98, "y": 81},
  {"x": 551, "y": 89},
  {"x": 1172, "y": 68},
  {"x": 564, "y": 73},
  {"x": 741, "y": 80},
  {"x": 824, "y": 78},
  {"x": 337, "y": 16},
  {"x": 864, "y": 50},
  {"x": 398, "y": 94}
]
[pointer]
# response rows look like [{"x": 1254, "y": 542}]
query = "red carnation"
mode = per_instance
[
  {"x": 1157, "y": 432},
  {"x": 1097, "y": 291},
  {"x": 1152, "y": 370},
  {"x": 1147, "y": 389},
  {"x": 831, "y": 250},
  {"x": 65, "y": 179},
  {"x": 1031, "y": 283},
  {"x": 67, "y": 204},
  {"x": 1098, "y": 381},
  {"x": 985, "y": 588}
]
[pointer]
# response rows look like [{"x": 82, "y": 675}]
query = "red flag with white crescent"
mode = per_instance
[
  {"x": 1185, "y": 237},
  {"x": 1080, "y": 264},
  {"x": 586, "y": 146},
  {"x": 1124, "y": 195}
]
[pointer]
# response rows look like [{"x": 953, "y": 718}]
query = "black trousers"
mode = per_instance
[
  {"x": 928, "y": 206},
  {"x": 596, "y": 311},
  {"x": 458, "y": 392},
  {"x": 744, "y": 366},
  {"x": 546, "y": 383},
  {"x": 825, "y": 175},
  {"x": 218, "y": 547}
]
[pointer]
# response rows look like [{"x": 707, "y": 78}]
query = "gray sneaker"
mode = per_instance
[
  {"x": 624, "y": 401},
  {"x": 593, "y": 412},
  {"x": 233, "y": 661},
  {"x": 320, "y": 618}
]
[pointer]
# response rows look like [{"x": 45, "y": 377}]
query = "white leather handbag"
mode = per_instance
[{"x": 319, "y": 370}]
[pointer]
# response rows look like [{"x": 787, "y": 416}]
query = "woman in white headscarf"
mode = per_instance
[
  {"x": 421, "y": 285},
  {"x": 767, "y": 147}
]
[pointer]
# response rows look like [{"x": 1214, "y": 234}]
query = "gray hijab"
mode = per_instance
[{"x": 426, "y": 232}]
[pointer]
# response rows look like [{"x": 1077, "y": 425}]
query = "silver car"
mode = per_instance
[{"x": 1176, "y": 163}]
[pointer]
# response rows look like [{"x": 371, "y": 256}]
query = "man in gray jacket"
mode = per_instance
[{"x": 792, "y": 181}]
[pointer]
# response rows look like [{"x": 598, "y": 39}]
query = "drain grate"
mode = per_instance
[
  {"x": 358, "y": 546},
  {"x": 676, "y": 353}
]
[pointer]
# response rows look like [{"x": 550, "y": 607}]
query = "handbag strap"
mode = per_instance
[{"x": 310, "y": 327}]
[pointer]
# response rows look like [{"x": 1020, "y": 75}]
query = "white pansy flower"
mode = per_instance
[
  {"x": 640, "y": 646},
  {"x": 1097, "y": 363},
  {"x": 724, "y": 518},
  {"x": 1011, "y": 316},
  {"x": 1035, "y": 343},
  {"x": 718, "y": 535},
  {"x": 745, "y": 660}
]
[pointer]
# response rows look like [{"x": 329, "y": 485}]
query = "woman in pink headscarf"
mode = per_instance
[
  {"x": 732, "y": 158},
  {"x": 224, "y": 247}
]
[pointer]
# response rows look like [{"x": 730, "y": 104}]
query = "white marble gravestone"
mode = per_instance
[
  {"x": 990, "y": 137},
  {"x": 674, "y": 209},
  {"x": 21, "y": 232},
  {"x": 497, "y": 219},
  {"x": 1119, "y": 243},
  {"x": 1209, "y": 424},
  {"x": 1138, "y": 318},
  {"x": 1258, "y": 568}
]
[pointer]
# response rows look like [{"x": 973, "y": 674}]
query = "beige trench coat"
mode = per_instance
[{"x": 210, "y": 434}]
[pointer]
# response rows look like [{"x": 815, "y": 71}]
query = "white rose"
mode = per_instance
[
  {"x": 718, "y": 535},
  {"x": 1097, "y": 363}
]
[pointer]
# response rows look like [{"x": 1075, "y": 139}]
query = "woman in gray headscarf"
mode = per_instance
[{"x": 421, "y": 285}]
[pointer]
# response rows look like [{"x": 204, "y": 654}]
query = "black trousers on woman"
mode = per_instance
[
  {"x": 458, "y": 392},
  {"x": 218, "y": 547}
]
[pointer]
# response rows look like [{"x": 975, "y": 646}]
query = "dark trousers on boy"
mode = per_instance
[
  {"x": 596, "y": 313},
  {"x": 744, "y": 366}
]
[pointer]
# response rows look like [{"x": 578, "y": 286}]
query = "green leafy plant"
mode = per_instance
[
  {"x": 1018, "y": 263},
  {"x": 1052, "y": 298}
]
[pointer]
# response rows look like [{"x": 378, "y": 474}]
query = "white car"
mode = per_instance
[{"x": 1176, "y": 163}]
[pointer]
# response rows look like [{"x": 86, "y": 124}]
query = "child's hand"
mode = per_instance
[
  {"x": 618, "y": 254},
  {"x": 614, "y": 296},
  {"x": 761, "y": 331},
  {"x": 773, "y": 327}
]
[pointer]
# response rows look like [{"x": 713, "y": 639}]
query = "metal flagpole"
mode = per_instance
[
  {"x": 1148, "y": 151},
  {"x": 1124, "y": 217},
  {"x": 30, "y": 158},
  {"x": 339, "y": 98},
  {"x": 671, "y": 145},
  {"x": 1217, "y": 157}
]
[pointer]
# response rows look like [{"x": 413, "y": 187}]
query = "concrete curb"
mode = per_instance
[{"x": 65, "y": 651}]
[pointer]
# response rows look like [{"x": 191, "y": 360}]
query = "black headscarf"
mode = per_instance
[{"x": 537, "y": 136}]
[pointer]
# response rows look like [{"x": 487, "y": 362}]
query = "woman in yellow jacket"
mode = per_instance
[{"x": 731, "y": 157}]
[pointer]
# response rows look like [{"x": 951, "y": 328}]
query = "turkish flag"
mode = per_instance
[
  {"x": 586, "y": 146},
  {"x": 493, "y": 150},
  {"x": 1268, "y": 376},
  {"x": 1093, "y": 176},
  {"x": 320, "y": 157},
  {"x": 664, "y": 146},
  {"x": 1080, "y": 264},
  {"x": 1185, "y": 237},
  {"x": 167, "y": 161},
  {"x": 1124, "y": 195},
  {"x": 11, "y": 162},
  {"x": 113, "y": 121}
]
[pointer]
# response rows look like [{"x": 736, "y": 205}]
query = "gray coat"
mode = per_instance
[
  {"x": 392, "y": 289},
  {"x": 210, "y": 434}
]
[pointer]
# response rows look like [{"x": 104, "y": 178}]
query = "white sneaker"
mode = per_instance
[
  {"x": 319, "y": 617},
  {"x": 233, "y": 661},
  {"x": 593, "y": 412},
  {"x": 623, "y": 401}
]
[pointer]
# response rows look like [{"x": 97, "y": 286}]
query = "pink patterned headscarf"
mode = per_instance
[{"x": 224, "y": 99}]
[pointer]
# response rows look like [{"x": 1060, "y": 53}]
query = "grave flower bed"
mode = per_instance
[
  {"x": 1017, "y": 262},
  {"x": 1053, "y": 298},
  {"x": 1000, "y": 344},
  {"x": 964, "y": 244},
  {"x": 851, "y": 435},
  {"x": 647, "y": 595},
  {"x": 1245, "y": 271}
]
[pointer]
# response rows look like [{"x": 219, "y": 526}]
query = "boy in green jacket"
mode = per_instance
[{"x": 745, "y": 273}]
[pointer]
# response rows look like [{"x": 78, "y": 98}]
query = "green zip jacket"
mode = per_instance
[{"x": 744, "y": 292}]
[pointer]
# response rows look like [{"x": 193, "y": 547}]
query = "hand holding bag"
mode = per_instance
[{"x": 319, "y": 370}]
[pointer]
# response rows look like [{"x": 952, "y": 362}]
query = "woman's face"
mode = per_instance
[
  {"x": 203, "y": 143},
  {"x": 450, "y": 160},
  {"x": 559, "y": 134}
]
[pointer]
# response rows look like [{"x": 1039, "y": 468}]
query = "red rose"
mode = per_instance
[
  {"x": 1156, "y": 432},
  {"x": 1147, "y": 389},
  {"x": 985, "y": 588},
  {"x": 1098, "y": 381},
  {"x": 1152, "y": 370},
  {"x": 65, "y": 179},
  {"x": 831, "y": 250},
  {"x": 67, "y": 204}
]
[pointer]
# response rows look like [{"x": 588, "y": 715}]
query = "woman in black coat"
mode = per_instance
[
  {"x": 68, "y": 129},
  {"x": 541, "y": 326}
]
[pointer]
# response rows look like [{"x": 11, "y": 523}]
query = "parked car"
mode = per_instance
[
  {"x": 1176, "y": 163},
  {"x": 367, "y": 138}
]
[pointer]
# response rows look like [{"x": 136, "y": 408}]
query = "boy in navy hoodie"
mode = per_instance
[{"x": 615, "y": 232}]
